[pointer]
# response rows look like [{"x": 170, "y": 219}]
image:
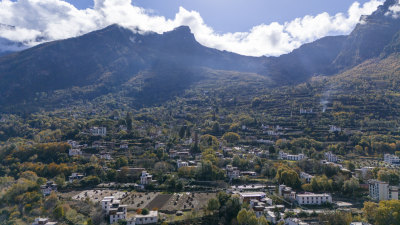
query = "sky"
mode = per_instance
[
  {"x": 248, "y": 27},
  {"x": 239, "y": 15}
]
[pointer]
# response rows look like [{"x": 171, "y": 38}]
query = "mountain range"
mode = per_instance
[{"x": 155, "y": 67}]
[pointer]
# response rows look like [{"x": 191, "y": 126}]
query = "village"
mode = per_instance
[{"x": 137, "y": 198}]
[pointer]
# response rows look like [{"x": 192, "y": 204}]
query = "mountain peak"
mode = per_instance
[
  {"x": 384, "y": 11},
  {"x": 182, "y": 32}
]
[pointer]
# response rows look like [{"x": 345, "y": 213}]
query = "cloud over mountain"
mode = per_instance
[{"x": 36, "y": 21}]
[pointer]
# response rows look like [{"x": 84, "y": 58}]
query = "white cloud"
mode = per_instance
[
  {"x": 394, "y": 10},
  {"x": 37, "y": 20}
]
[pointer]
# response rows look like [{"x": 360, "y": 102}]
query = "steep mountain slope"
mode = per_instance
[
  {"x": 152, "y": 68},
  {"x": 369, "y": 38},
  {"x": 8, "y": 47},
  {"x": 110, "y": 57},
  {"x": 308, "y": 60}
]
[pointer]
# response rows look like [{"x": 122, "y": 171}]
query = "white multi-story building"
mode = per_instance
[
  {"x": 124, "y": 146},
  {"x": 98, "y": 131},
  {"x": 248, "y": 196},
  {"x": 232, "y": 172},
  {"x": 294, "y": 221},
  {"x": 306, "y": 111},
  {"x": 379, "y": 190},
  {"x": 49, "y": 187},
  {"x": 145, "y": 178},
  {"x": 112, "y": 207},
  {"x": 152, "y": 217},
  {"x": 274, "y": 218},
  {"x": 285, "y": 156},
  {"x": 307, "y": 177},
  {"x": 106, "y": 156},
  {"x": 181, "y": 163},
  {"x": 159, "y": 145},
  {"x": 73, "y": 143},
  {"x": 333, "y": 129},
  {"x": 74, "y": 152},
  {"x": 131, "y": 221},
  {"x": 287, "y": 192},
  {"x": 392, "y": 159},
  {"x": 75, "y": 176},
  {"x": 43, "y": 221},
  {"x": 313, "y": 199},
  {"x": 330, "y": 157}
]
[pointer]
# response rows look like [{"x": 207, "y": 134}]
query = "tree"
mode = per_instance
[
  {"x": 388, "y": 176},
  {"x": 350, "y": 166},
  {"x": 231, "y": 137},
  {"x": 213, "y": 204},
  {"x": 145, "y": 211},
  {"x": 335, "y": 218},
  {"x": 182, "y": 132},
  {"x": 288, "y": 177},
  {"x": 271, "y": 149},
  {"x": 89, "y": 222},
  {"x": 384, "y": 213},
  {"x": 128, "y": 121},
  {"x": 121, "y": 162},
  {"x": 369, "y": 211},
  {"x": 58, "y": 212},
  {"x": 351, "y": 186},
  {"x": 248, "y": 217}
]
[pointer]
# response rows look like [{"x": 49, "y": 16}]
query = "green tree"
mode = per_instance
[
  {"x": 231, "y": 137},
  {"x": 247, "y": 217},
  {"x": 213, "y": 204},
  {"x": 58, "y": 212},
  {"x": 145, "y": 211}
]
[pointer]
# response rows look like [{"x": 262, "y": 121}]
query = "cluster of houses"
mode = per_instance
[
  {"x": 391, "y": 159},
  {"x": 262, "y": 205},
  {"x": 115, "y": 211},
  {"x": 285, "y": 156}
]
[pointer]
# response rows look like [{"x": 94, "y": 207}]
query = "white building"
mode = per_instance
[
  {"x": 286, "y": 156},
  {"x": 112, "y": 207},
  {"x": 274, "y": 218},
  {"x": 232, "y": 172},
  {"x": 286, "y": 192},
  {"x": 392, "y": 159},
  {"x": 74, "y": 144},
  {"x": 248, "y": 196},
  {"x": 294, "y": 221},
  {"x": 159, "y": 145},
  {"x": 180, "y": 164},
  {"x": 98, "y": 131},
  {"x": 74, "y": 152},
  {"x": 106, "y": 156},
  {"x": 123, "y": 146},
  {"x": 330, "y": 157},
  {"x": 75, "y": 176},
  {"x": 131, "y": 221},
  {"x": 49, "y": 187},
  {"x": 145, "y": 178},
  {"x": 333, "y": 129},
  {"x": 306, "y": 111},
  {"x": 313, "y": 199},
  {"x": 152, "y": 217},
  {"x": 307, "y": 177},
  {"x": 379, "y": 190},
  {"x": 43, "y": 221}
]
